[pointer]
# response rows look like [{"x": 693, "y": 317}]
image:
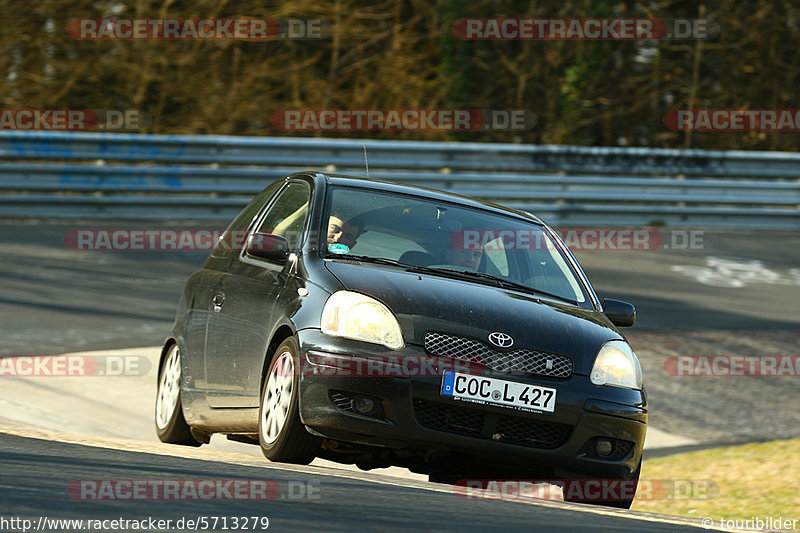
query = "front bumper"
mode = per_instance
[{"x": 411, "y": 414}]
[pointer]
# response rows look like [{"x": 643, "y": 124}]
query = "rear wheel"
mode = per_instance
[
  {"x": 171, "y": 426},
  {"x": 281, "y": 433}
]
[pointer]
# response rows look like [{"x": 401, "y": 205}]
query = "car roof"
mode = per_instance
[{"x": 342, "y": 180}]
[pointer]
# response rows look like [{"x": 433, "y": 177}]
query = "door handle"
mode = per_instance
[{"x": 217, "y": 301}]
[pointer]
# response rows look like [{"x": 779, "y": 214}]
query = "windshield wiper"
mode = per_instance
[
  {"x": 370, "y": 259},
  {"x": 502, "y": 283},
  {"x": 411, "y": 267}
]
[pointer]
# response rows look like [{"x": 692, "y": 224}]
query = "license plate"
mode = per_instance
[{"x": 493, "y": 391}]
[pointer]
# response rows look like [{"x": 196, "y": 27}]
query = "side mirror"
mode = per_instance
[
  {"x": 620, "y": 313},
  {"x": 267, "y": 246}
]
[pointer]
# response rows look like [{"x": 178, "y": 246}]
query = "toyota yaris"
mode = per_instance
[{"x": 378, "y": 324}]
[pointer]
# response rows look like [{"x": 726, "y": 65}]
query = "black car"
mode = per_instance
[{"x": 379, "y": 324}]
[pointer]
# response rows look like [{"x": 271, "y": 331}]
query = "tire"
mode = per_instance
[
  {"x": 281, "y": 433},
  {"x": 619, "y": 503},
  {"x": 626, "y": 504},
  {"x": 171, "y": 426}
]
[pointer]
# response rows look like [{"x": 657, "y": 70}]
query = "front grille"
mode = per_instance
[
  {"x": 519, "y": 360},
  {"x": 445, "y": 418},
  {"x": 533, "y": 434},
  {"x": 471, "y": 422}
]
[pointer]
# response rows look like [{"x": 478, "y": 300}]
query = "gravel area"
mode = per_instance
[{"x": 720, "y": 409}]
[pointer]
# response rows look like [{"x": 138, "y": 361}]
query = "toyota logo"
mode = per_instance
[{"x": 501, "y": 340}]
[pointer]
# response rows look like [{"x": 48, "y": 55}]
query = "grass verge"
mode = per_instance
[{"x": 736, "y": 482}]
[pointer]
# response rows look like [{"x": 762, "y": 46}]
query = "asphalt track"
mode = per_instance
[
  {"x": 56, "y": 300},
  {"x": 34, "y": 474}
]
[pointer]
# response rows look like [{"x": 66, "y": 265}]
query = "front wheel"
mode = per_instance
[
  {"x": 171, "y": 426},
  {"x": 281, "y": 433},
  {"x": 619, "y": 493}
]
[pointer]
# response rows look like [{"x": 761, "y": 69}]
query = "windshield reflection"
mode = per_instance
[{"x": 443, "y": 236}]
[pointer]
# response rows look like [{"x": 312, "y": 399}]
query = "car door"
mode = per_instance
[
  {"x": 202, "y": 286},
  {"x": 198, "y": 295},
  {"x": 243, "y": 306}
]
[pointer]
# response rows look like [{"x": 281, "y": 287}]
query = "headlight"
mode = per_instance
[
  {"x": 356, "y": 316},
  {"x": 617, "y": 365}
]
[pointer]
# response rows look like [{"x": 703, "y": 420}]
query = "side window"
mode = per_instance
[
  {"x": 232, "y": 240},
  {"x": 287, "y": 215}
]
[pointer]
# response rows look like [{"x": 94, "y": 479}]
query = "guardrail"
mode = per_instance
[{"x": 91, "y": 175}]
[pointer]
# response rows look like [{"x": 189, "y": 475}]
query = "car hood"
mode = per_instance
[{"x": 425, "y": 302}]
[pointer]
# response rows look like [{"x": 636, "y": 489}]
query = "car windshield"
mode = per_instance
[{"x": 480, "y": 245}]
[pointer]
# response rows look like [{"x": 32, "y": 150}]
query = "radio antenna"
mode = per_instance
[{"x": 366, "y": 161}]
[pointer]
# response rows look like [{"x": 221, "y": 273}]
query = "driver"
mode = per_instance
[
  {"x": 466, "y": 258},
  {"x": 339, "y": 231},
  {"x": 342, "y": 232}
]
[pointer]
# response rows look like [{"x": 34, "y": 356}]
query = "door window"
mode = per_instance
[{"x": 287, "y": 216}]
